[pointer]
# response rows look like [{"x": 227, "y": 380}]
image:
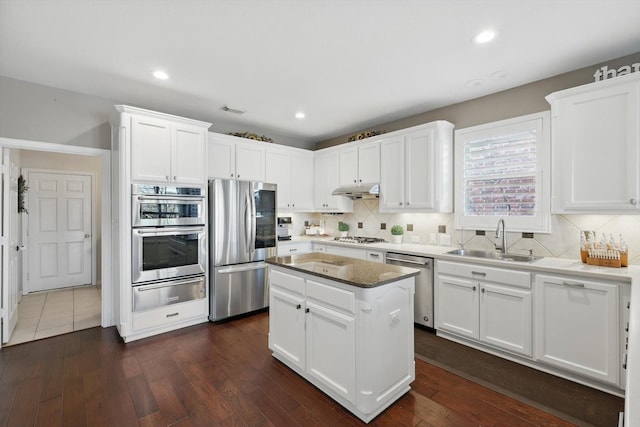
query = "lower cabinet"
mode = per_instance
[
  {"x": 355, "y": 344},
  {"x": 578, "y": 326},
  {"x": 366, "y": 254},
  {"x": 486, "y": 304}
]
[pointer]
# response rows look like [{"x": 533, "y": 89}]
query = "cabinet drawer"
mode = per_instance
[
  {"x": 170, "y": 314},
  {"x": 287, "y": 281},
  {"x": 147, "y": 297},
  {"x": 285, "y": 249},
  {"x": 482, "y": 273},
  {"x": 332, "y": 296}
]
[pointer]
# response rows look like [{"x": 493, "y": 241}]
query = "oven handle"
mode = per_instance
[
  {"x": 169, "y": 231},
  {"x": 239, "y": 268},
  {"x": 177, "y": 199},
  {"x": 142, "y": 288}
]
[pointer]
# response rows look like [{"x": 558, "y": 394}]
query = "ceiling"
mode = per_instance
[{"x": 348, "y": 64}]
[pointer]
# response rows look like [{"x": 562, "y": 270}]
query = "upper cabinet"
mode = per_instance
[
  {"x": 359, "y": 163},
  {"x": 416, "y": 169},
  {"x": 595, "y": 142},
  {"x": 326, "y": 180},
  {"x": 292, "y": 170},
  {"x": 231, "y": 157},
  {"x": 164, "y": 148}
]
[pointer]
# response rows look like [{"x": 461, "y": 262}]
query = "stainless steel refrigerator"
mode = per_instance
[{"x": 242, "y": 234}]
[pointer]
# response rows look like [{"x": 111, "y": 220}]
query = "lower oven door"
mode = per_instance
[
  {"x": 238, "y": 289},
  {"x": 167, "y": 253},
  {"x": 161, "y": 294}
]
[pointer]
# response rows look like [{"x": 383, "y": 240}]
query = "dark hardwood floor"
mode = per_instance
[{"x": 215, "y": 374}]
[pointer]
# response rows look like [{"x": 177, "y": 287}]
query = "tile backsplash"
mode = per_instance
[{"x": 562, "y": 242}]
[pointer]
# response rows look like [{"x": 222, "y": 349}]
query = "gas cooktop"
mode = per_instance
[{"x": 359, "y": 239}]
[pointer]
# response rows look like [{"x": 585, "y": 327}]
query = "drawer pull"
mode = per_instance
[
  {"x": 573, "y": 284},
  {"x": 171, "y": 299},
  {"x": 374, "y": 255},
  {"x": 293, "y": 250},
  {"x": 172, "y": 314},
  {"x": 478, "y": 273}
]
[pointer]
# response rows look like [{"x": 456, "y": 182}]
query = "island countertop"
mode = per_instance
[{"x": 351, "y": 271}]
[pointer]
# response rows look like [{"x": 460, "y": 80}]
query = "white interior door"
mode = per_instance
[
  {"x": 59, "y": 230},
  {"x": 10, "y": 246}
]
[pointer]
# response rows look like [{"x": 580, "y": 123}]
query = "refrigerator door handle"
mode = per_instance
[
  {"x": 254, "y": 218},
  {"x": 239, "y": 268},
  {"x": 248, "y": 221}
]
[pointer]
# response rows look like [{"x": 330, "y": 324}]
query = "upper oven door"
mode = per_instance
[
  {"x": 156, "y": 210},
  {"x": 162, "y": 253}
]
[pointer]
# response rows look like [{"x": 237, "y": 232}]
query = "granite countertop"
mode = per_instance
[{"x": 351, "y": 271}]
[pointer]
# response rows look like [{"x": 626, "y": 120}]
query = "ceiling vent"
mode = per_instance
[{"x": 232, "y": 110}]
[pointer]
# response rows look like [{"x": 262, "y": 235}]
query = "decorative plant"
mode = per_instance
[
  {"x": 397, "y": 230},
  {"x": 343, "y": 226},
  {"x": 22, "y": 190}
]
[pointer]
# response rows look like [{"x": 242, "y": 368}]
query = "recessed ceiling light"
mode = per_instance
[
  {"x": 498, "y": 75},
  {"x": 160, "y": 75},
  {"x": 484, "y": 36},
  {"x": 300, "y": 115}
]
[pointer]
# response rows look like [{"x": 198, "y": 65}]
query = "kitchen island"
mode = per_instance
[{"x": 346, "y": 326}]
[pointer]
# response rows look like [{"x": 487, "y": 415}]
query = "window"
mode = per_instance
[{"x": 502, "y": 171}]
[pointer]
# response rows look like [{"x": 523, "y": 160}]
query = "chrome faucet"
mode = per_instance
[{"x": 500, "y": 233}]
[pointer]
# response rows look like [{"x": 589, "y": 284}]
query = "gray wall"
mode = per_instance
[{"x": 510, "y": 103}]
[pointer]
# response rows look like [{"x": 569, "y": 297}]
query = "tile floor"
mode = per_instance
[{"x": 45, "y": 314}]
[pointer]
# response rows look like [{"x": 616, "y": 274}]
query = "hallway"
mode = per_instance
[{"x": 46, "y": 314}]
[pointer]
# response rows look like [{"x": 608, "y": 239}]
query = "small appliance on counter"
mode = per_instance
[{"x": 283, "y": 228}]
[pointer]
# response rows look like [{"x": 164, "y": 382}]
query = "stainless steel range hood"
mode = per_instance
[{"x": 355, "y": 192}]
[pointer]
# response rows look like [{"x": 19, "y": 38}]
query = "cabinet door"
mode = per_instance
[
  {"x": 287, "y": 325},
  {"x": 250, "y": 162},
  {"x": 457, "y": 306},
  {"x": 278, "y": 171},
  {"x": 392, "y": 174},
  {"x": 577, "y": 326},
  {"x": 301, "y": 180},
  {"x": 326, "y": 172},
  {"x": 596, "y": 145},
  {"x": 369, "y": 163},
  {"x": 150, "y": 149},
  {"x": 348, "y": 166},
  {"x": 420, "y": 162},
  {"x": 188, "y": 154},
  {"x": 505, "y": 318},
  {"x": 331, "y": 350},
  {"x": 348, "y": 252},
  {"x": 221, "y": 156}
]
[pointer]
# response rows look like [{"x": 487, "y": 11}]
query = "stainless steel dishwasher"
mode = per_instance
[{"x": 423, "y": 300}]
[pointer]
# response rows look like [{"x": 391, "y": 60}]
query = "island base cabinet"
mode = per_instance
[
  {"x": 577, "y": 326},
  {"x": 355, "y": 344}
]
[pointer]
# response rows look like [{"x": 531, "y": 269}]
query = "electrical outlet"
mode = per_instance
[
  {"x": 432, "y": 239},
  {"x": 415, "y": 239}
]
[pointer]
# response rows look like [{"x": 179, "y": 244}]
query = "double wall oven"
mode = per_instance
[{"x": 169, "y": 245}]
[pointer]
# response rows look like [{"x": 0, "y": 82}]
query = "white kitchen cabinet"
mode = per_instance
[
  {"x": 326, "y": 180},
  {"x": 577, "y": 326},
  {"x": 366, "y": 254},
  {"x": 165, "y": 150},
  {"x": 595, "y": 140},
  {"x": 416, "y": 169},
  {"x": 292, "y": 170},
  {"x": 359, "y": 163},
  {"x": 355, "y": 344},
  {"x": 490, "y": 305},
  {"x": 287, "y": 247},
  {"x": 231, "y": 157}
]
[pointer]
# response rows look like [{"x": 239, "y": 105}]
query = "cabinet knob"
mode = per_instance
[
  {"x": 175, "y": 177},
  {"x": 474, "y": 289},
  {"x": 306, "y": 310},
  {"x": 231, "y": 175},
  {"x": 408, "y": 203},
  {"x": 634, "y": 202},
  {"x": 167, "y": 177},
  {"x": 298, "y": 307},
  {"x": 400, "y": 203},
  {"x": 355, "y": 181},
  {"x": 482, "y": 290}
]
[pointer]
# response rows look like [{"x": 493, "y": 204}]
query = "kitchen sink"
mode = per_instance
[{"x": 474, "y": 253}]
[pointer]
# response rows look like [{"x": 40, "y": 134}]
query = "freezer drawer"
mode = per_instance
[
  {"x": 238, "y": 289},
  {"x": 147, "y": 297}
]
